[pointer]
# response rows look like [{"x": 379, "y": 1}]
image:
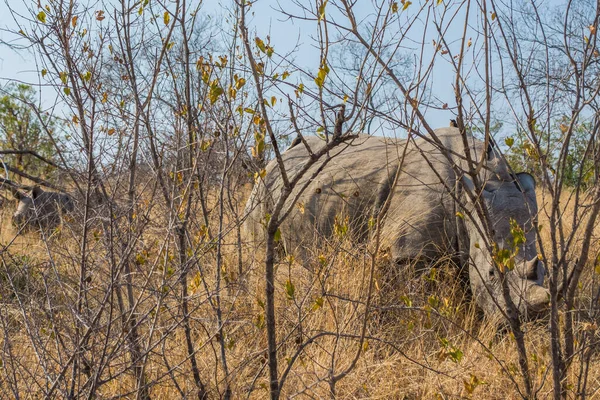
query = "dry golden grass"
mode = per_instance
[{"x": 425, "y": 338}]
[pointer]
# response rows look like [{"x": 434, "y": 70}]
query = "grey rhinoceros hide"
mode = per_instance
[
  {"x": 39, "y": 209},
  {"x": 421, "y": 223}
]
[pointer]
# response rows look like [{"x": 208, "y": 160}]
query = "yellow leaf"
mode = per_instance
[
  {"x": 232, "y": 92},
  {"x": 67, "y": 91},
  {"x": 166, "y": 18},
  {"x": 322, "y": 10},
  {"x": 321, "y": 75},
  {"x": 75, "y": 119},
  {"x": 42, "y": 17},
  {"x": 104, "y": 97},
  {"x": 44, "y": 72},
  {"x": 592, "y": 29},
  {"x": 345, "y": 98},
  {"x": 260, "y": 67},
  {"x": 111, "y": 131},
  {"x": 239, "y": 83},
  {"x": 469, "y": 43},
  {"x": 406, "y": 5},
  {"x": 273, "y": 100},
  {"x": 285, "y": 75},
  {"x": 74, "y": 21},
  {"x": 493, "y": 16},
  {"x": 564, "y": 128},
  {"x": 509, "y": 141},
  {"x": 395, "y": 7},
  {"x": 439, "y": 2}
]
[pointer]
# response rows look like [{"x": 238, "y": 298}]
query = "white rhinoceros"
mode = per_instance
[
  {"x": 39, "y": 209},
  {"x": 422, "y": 223}
]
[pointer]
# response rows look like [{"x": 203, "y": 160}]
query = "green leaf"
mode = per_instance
[
  {"x": 406, "y": 300},
  {"x": 67, "y": 91},
  {"x": 290, "y": 290},
  {"x": 215, "y": 92},
  {"x": 63, "y": 77},
  {"x": 509, "y": 141},
  {"x": 318, "y": 303},
  {"x": 44, "y": 72},
  {"x": 277, "y": 236},
  {"x": 260, "y": 44},
  {"x": 41, "y": 17},
  {"x": 87, "y": 76},
  {"x": 517, "y": 233}
]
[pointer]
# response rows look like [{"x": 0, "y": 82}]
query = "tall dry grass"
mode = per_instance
[{"x": 425, "y": 337}]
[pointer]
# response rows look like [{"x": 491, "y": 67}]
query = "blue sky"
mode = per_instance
[{"x": 284, "y": 35}]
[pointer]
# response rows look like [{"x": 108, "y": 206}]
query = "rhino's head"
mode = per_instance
[
  {"x": 26, "y": 207},
  {"x": 512, "y": 207}
]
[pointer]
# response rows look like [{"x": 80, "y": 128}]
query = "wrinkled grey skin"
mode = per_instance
[
  {"x": 40, "y": 209},
  {"x": 421, "y": 224}
]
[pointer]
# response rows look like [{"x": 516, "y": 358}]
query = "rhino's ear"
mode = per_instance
[
  {"x": 36, "y": 191},
  {"x": 490, "y": 150},
  {"x": 526, "y": 181}
]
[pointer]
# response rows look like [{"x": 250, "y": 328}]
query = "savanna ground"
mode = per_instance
[{"x": 424, "y": 338}]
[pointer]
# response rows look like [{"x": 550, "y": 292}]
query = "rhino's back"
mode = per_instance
[{"x": 351, "y": 187}]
